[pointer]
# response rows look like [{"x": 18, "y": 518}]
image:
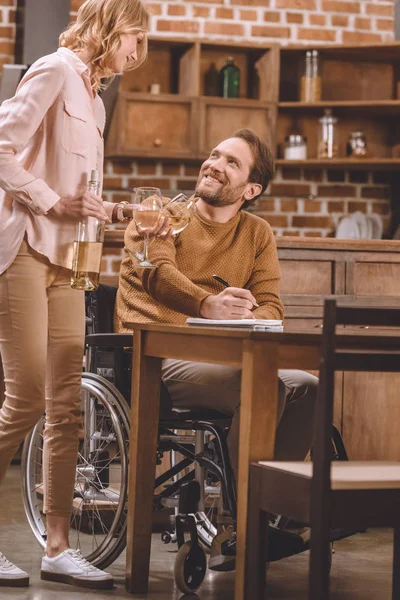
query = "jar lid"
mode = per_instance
[
  {"x": 328, "y": 118},
  {"x": 295, "y": 139},
  {"x": 357, "y": 134}
]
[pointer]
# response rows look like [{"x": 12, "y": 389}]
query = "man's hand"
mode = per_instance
[
  {"x": 86, "y": 205},
  {"x": 232, "y": 303},
  {"x": 161, "y": 230}
]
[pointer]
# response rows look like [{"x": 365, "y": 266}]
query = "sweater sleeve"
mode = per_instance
[
  {"x": 20, "y": 118},
  {"x": 264, "y": 281},
  {"x": 166, "y": 284}
]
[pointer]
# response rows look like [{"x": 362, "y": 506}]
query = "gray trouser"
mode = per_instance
[{"x": 202, "y": 385}]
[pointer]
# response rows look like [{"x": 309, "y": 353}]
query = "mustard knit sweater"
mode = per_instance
[{"x": 242, "y": 251}]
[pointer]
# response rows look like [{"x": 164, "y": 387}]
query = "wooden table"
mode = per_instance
[{"x": 258, "y": 354}]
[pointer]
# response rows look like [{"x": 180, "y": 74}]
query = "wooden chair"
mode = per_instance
[{"x": 349, "y": 495}]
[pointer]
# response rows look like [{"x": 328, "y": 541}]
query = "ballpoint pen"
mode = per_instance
[{"x": 226, "y": 284}]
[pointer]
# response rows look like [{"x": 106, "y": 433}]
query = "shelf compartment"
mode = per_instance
[
  {"x": 252, "y": 60},
  {"x": 348, "y": 72}
]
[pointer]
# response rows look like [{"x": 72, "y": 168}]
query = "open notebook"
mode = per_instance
[{"x": 254, "y": 324}]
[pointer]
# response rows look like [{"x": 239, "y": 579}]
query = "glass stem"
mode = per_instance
[{"x": 146, "y": 248}]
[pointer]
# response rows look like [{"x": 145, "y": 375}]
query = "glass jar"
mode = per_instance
[
  {"x": 295, "y": 147},
  {"x": 356, "y": 146},
  {"x": 327, "y": 146},
  {"x": 230, "y": 80},
  {"x": 311, "y": 82}
]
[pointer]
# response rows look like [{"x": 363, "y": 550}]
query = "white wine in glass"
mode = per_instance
[
  {"x": 148, "y": 207},
  {"x": 180, "y": 211}
]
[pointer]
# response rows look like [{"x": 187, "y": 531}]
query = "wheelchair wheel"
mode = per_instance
[
  {"x": 98, "y": 522},
  {"x": 190, "y": 568}
]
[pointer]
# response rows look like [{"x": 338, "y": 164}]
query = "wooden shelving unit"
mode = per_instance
[{"x": 360, "y": 84}]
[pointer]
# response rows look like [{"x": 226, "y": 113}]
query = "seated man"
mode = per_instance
[{"x": 238, "y": 246}]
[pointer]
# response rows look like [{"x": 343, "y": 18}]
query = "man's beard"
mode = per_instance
[{"x": 225, "y": 196}]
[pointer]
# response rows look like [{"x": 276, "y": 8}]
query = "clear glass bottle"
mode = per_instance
[
  {"x": 356, "y": 146},
  {"x": 327, "y": 146},
  {"x": 230, "y": 80},
  {"x": 88, "y": 246},
  {"x": 311, "y": 81}
]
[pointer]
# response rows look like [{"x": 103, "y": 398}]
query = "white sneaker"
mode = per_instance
[
  {"x": 72, "y": 567},
  {"x": 11, "y": 575}
]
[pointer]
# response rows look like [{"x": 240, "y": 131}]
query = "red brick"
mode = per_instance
[
  {"x": 154, "y": 9},
  {"x": 115, "y": 265},
  {"x": 224, "y": 13},
  {"x": 153, "y": 182},
  {"x": 265, "y": 205},
  {"x": 319, "y": 222},
  {"x": 121, "y": 197},
  {"x": 361, "y": 23},
  {"x": 177, "y": 10},
  {"x": 340, "y": 21},
  {"x": 249, "y": 2},
  {"x": 336, "y": 191},
  {"x": 288, "y": 205},
  {"x": 272, "y": 17},
  {"x": 7, "y": 32},
  {"x": 375, "y": 193},
  {"x": 248, "y": 15},
  {"x": 317, "y": 20},
  {"x": 313, "y": 174},
  {"x": 290, "y": 189},
  {"x": 186, "y": 184},
  {"x": 294, "y": 18},
  {"x": 384, "y": 25},
  {"x": 291, "y": 233},
  {"x": 291, "y": 173},
  {"x": 276, "y": 220},
  {"x": 297, "y": 4},
  {"x": 381, "y": 208},
  {"x": 379, "y": 10},
  {"x": 75, "y": 4},
  {"x": 122, "y": 168},
  {"x": 223, "y": 29},
  {"x": 337, "y": 206},
  {"x": 147, "y": 167},
  {"x": 312, "y": 206},
  {"x": 355, "y": 206},
  {"x": 355, "y": 37},
  {"x": 271, "y": 32},
  {"x": 336, "y": 6},
  {"x": 209, "y": 1},
  {"x": 192, "y": 170},
  {"x": 178, "y": 26},
  {"x": 112, "y": 183},
  {"x": 7, "y": 48},
  {"x": 325, "y": 35},
  {"x": 201, "y": 11},
  {"x": 171, "y": 169}
]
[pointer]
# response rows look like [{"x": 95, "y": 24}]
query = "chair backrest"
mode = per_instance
[
  {"x": 100, "y": 307},
  {"x": 368, "y": 351}
]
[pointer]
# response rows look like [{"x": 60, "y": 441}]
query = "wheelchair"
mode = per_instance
[{"x": 195, "y": 485}]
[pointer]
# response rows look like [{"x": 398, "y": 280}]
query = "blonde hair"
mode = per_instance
[{"x": 98, "y": 28}]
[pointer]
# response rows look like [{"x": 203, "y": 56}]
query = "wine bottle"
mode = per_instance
[
  {"x": 230, "y": 80},
  {"x": 88, "y": 246}
]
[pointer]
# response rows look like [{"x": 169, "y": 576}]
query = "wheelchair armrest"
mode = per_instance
[{"x": 116, "y": 340}]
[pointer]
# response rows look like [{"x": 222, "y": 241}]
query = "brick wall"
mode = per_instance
[{"x": 300, "y": 202}]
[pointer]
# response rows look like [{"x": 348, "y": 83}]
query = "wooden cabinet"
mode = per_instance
[
  {"x": 220, "y": 118},
  {"x": 156, "y": 127}
]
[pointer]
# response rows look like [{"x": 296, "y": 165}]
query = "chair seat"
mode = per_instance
[{"x": 348, "y": 475}]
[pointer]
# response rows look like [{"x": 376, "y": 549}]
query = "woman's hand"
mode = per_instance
[{"x": 86, "y": 205}]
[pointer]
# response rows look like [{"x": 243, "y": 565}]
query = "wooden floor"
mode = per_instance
[{"x": 361, "y": 566}]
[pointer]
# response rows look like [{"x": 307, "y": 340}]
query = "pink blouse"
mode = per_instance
[{"x": 51, "y": 137}]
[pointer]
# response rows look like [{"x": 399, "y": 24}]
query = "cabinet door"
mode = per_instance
[
  {"x": 220, "y": 118},
  {"x": 154, "y": 126}
]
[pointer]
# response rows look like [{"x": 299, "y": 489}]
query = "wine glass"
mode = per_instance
[
  {"x": 180, "y": 211},
  {"x": 148, "y": 205}
]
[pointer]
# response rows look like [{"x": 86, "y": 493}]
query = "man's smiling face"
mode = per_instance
[{"x": 224, "y": 177}]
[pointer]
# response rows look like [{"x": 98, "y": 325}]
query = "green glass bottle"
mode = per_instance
[{"x": 230, "y": 80}]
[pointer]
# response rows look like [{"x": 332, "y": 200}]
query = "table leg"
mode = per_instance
[
  {"x": 146, "y": 377},
  {"x": 259, "y": 397}
]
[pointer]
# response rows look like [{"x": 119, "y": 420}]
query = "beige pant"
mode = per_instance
[
  {"x": 201, "y": 385},
  {"x": 42, "y": 331}
]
